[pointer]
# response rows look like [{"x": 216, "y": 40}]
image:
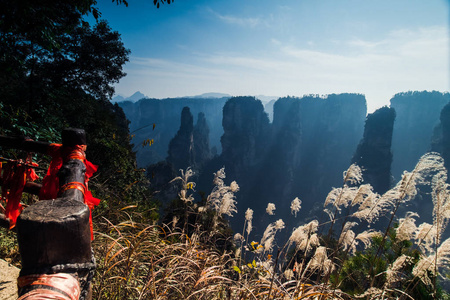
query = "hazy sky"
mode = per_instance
[{"x": 283, "y": 47}]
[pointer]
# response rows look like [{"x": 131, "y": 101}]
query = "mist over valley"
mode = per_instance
[{"x": 301, "y": 151}]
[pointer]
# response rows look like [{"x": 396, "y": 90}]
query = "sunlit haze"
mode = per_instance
[{"x": 280, "y": 48}]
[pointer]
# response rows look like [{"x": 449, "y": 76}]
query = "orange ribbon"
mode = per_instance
[
  {"x": 62, "y": 282},
  {"x": 15, "y": 175},
  {"x": 50, "y": 184}
]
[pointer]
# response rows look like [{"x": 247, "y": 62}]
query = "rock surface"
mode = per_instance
[
  {"x": 181, "y": 147},
  {"x": 302, "y": 153},
  {"x": 190, "y": 146},
  {"x": 165, "y": 114},
  {"x": 202, "y": 151},
  {"x": 374, "y": 154},
  {"x": 8, "y": 281},
  {"x": 417, "y": 114}
]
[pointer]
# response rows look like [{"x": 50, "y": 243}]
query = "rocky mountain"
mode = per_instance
[
  {"x": 244, "y": 141},
  {"x": 181, "y": 147},
  {"x": 245, "y": 144},
  {"x": 202, "y": 151},
  {"x": 133, "y": 98},
  {"x": 441, "y": 136},
  {"x": 117, "y": 98},
  {"x": 211, "y": 95},
  {"x": 136, "y": 97},
  {"x": 302, "y": 153},
  {"x": 417, "y": 116},
  {"x": 373, "y": 154},
  {"x": 190, "y": 146},
  {"x": 165, "y": 115},
  {"x": 313, "y": 139}
]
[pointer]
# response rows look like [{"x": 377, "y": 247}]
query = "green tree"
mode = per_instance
[
  {"x": 46, "y": 47},
  {"x": 57, "y": 71}
]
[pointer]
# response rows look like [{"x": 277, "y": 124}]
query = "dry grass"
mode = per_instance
[
  {"x": 141, "y": 261},
  {"x": 136, "y": 261}
]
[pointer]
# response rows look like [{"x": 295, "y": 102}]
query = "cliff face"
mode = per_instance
[
  {"x": 245, "y": 126},
  {"x": 285, "y": 147},
  {"x": 313, "y": 142},
  {"x": 441, "y": 136},
  {"x": 373, "y": 154},
  {"x": 301, "y": 154},
  {"x": 190, "y": 146},
  {"x": 417, "y": 116},
  {"x": 181, "y": 147},
  {"x": 202, "y": 151},
  {"x": 165, "y": 114}
]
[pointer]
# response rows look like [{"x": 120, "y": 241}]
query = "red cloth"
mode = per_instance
[
  {"x": 14, "y": 194},
  {"x": 66, "y": 287},
  {"x": 50, "y": 184},
  {"x": 14, "y": 178}
]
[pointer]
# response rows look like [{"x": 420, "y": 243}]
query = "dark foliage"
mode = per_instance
[{"x": 58, "y": 71}]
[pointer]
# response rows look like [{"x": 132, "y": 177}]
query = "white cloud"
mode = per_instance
[
  {"x": 251, "y": 22},
  {"x": 275, "y": 42},
  {"x": 403, "y": 60},
  {"x": 363, "y": 44},
  {"x": 159, "y": 68}
]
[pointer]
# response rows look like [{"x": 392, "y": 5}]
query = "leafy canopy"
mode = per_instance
[{"x": 58, "y": 71}]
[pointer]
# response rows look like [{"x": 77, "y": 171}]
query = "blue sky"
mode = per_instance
[{"x": 283, "y": 47}]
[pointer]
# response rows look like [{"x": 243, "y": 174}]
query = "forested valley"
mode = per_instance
[{"x": 231, "y": 198}]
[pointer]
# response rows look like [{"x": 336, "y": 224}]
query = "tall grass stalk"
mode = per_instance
[{"x": 150, "y": 261}]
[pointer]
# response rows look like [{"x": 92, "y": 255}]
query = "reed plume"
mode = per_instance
[{"x": 270, "y": 209}]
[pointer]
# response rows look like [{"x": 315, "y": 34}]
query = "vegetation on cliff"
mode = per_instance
[
  {"x": 58, "y": 71},
  {"x": 193, "y": 256}
]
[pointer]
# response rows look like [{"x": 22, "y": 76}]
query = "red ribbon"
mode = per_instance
[
  {"x": 59, "y": 286},
  {"x": 50, "y": 183},
  {"x": 15, "y": 175}
]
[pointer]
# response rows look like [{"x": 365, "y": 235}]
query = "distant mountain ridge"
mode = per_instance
[
  {"x": 138, "y": 96},
  {"x": 133, "y": 98},
  {"x": 300, "y": 150},
  {"x": 210, "y": 95},
  {"x": 165, "y": 114}
]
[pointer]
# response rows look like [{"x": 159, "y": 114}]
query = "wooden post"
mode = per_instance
[
  {"x": 23, "y": 143},
  {"x": 26, "y": 144},
  {"x": 54, "y": 235}
]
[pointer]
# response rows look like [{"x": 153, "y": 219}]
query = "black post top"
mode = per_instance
[{"x": 73, "y": 136}]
